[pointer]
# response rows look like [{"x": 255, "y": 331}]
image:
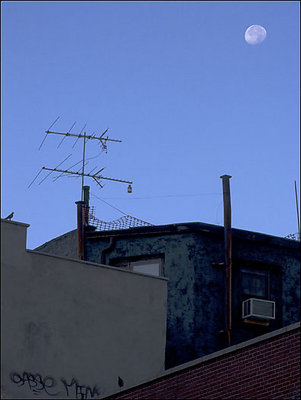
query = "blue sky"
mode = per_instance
[{"x": 178, "y": 84}]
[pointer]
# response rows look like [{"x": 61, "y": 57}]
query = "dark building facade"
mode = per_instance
[{"x": 191, "y": 256}]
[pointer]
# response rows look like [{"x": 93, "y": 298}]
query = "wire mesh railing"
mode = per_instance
[
  {"x": 125, "y": 222},
  {"x": 293, "y": 236}
]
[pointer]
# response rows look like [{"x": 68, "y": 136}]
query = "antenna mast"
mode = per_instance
[{"x": 83, "y": 169}]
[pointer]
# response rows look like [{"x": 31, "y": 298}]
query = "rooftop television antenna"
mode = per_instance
[{"x": 96, "y": 176}]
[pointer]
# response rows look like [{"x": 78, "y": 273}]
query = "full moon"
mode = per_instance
[{"x": 255, "y": 34}]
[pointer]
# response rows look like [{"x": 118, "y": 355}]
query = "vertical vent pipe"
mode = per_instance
[
  {"x": 228, "y": 255},
  {"x": 86, "y": 197},
  {"x": 80, "y": 229},
  {"x": 297, "y": 209},
  {"x": 82, "y": 222}
]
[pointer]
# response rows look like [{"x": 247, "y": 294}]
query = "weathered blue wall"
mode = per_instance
[
  {"x": 195, "y": 316},
  {"x": 192, "y": 253}
]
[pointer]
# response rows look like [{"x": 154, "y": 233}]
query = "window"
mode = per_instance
[
  {"x": 149, "y": 266},
  {"x": 255, "y": 283},
  {"x": 257, "y": 280}
]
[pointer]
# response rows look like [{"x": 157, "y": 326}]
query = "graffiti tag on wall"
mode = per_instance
[
  {"x": 80, "y": 391},
  {"x": 37, "y": 384},
  {"x": 34, "y": 382}
]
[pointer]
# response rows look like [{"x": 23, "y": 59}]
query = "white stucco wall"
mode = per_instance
[{"x": 71, "y": 328}]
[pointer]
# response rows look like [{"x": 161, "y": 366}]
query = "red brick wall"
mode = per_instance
[{"x": 266, "y": 370}]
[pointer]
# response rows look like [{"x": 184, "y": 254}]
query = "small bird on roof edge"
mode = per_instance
[
  {"x": 120, "y": 382},
  {"x": 9, "y": 217}
]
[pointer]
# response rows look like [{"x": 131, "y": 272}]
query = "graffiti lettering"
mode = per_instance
[
  {"x": 37, "y": 385},
  {"x": 81, "y": 391},
  {"x": 35, "y": 382}
]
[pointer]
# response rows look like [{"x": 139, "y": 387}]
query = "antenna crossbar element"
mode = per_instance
[
  {"x": 66, "y": 135},
  {"x": 98, "y": 183},
  {"x": 95, "y": 176},
  {"x": 48, "y": 131},
  {"x": 100, "y": 138}
]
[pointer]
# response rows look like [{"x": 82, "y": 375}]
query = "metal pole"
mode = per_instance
[
  {"x": 298, "y": 220},
  {"x": 80, "y": 230},
  {"x": 86, "y": 190},
  {"x": 228, "y": 255}
]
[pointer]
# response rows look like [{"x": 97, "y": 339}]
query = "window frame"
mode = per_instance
[
  {"x": 274, "y": 273},
  {"x": 264, "y": 273},
  {"x": 142, "y": 260}
]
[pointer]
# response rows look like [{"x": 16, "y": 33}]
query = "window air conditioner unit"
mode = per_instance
[{"x": 258, "y": 309}]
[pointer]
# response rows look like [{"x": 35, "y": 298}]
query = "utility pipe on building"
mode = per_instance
[
  {"x": 228, "y": 255},
  {"x": 80, "y": 230},
  {"x": 298, "y": 219},
  {"x": 86, "y": 197},
  {"x": 82, "y": 221}
]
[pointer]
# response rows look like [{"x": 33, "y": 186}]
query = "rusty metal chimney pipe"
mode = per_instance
[
  {"x": 86, "y": 190},
  {"x": 80, "y": 229},
  {"x": 228, "y": 255},
  {"x": 86, "y": 196}
]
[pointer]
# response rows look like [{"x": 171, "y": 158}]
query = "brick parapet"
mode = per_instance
[{"x": 266, "y": 368}]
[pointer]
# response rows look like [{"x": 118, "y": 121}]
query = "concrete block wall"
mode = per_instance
[{"x": 267, "y": 367}]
